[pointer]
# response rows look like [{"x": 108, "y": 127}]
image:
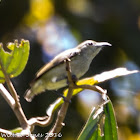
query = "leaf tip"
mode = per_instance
[{"x": 24, "y": 42}]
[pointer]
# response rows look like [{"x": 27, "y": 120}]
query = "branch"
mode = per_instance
[
  {"x": 62, "y": 112},
  {"x": 94, "y": 88},
  {"x": 56, "y": 104},
  {"x": 14, "y": 101},
  {"x": 17, "y": 108},
  {"x": 7, "y": 96},
  {"x": 40, "y": 121},
  {"x": 4, "y": 133}
]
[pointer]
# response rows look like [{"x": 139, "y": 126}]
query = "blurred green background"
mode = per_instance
[{"x": 53, "y": 26}]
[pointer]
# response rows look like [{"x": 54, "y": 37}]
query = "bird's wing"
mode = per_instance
[{"x": 56, "y": 61}]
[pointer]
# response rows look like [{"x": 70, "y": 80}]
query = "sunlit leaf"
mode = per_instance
[
  {"x": 54, "y": 106},
  {"x": 2, "y": 138},
  {"x": 113, "y": 74},
  {"x": 13, "y": 62},
  {"x": 16, "y": 130},
  {"x": 99, "y": 78},
  {"x": 93, "y": 127}
]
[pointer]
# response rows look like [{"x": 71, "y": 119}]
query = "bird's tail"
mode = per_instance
[{"x": 29, "y": 95}]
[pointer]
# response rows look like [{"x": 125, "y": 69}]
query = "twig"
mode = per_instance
[
  {"x": 14, "y": 101},
  {"x": 4, "y": 132},
  {"x": 94, "y": 88},
  {"x": 62, "y": 112},
  {"x": 17, "y": 109},
  {"x": 55, "y": 105},
  {"x": 9, "y": 84},
  {"x": 7, "y": 96},
  {"x": 91, "y": 87},
  {"x": 40, "y": 121}
]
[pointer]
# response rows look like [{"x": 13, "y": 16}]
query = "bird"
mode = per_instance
[{"x": 53, "y": 75}]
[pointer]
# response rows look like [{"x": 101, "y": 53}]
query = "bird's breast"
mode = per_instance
[{"x": 57, "y": 77}]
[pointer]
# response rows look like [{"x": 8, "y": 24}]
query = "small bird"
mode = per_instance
[{"x": 53, "y": 75}]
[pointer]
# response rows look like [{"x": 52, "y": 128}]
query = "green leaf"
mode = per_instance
[
  {"x": 99, "y": 78},
  {"x": 110, "y": 126},
  {"x": 2, "y": 138},
  {"x": 96, "y": 123},
  {"x": 16, "y": 130},
  {"x": 90, "y": 131},
  {"x": 13, "y": 62}
]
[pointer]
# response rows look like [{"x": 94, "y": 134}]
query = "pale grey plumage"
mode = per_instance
[{"x": 54, "y": 76}]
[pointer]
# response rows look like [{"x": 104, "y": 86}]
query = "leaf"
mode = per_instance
[
  {"x": 91, "y": 130},
  {"x": 99, "y": 78},
  {"x": 13, "y": 62},
  {"x": 93, "y": 127},
  {"x": 110, "y": 126},
  {"x": 16, "y": 130},
  {"x": 113, "y": 74},
  {"x": 54, "y": 106},
  {"x": 2, "y": 138}
]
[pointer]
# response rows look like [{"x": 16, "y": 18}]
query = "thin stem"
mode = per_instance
[
  {"x": 4, "y": 132},
  {"x": 7, "y": 96},
  {"x": 40, "y": 121},
  {"x": 92, "y": 87},
  {"x": 63, "y": 110},
  {"x": 16, "y": 107}
]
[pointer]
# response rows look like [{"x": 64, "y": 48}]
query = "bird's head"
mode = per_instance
[{"x": 93, "y": 44}]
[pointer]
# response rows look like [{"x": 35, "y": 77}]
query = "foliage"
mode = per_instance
[
  {"x": 13, "y": 62},
  {"x": 99, "y": 78},
  {"x": 101, "y": 124}
]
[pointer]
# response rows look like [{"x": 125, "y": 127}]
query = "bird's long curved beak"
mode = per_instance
[{"x": 102, "y": 44}]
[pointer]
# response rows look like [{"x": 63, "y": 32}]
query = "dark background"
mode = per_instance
[{"x": 53, "y": 26}]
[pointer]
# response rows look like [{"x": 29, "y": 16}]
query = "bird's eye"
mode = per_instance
[{"x": 90, "y": 43}]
